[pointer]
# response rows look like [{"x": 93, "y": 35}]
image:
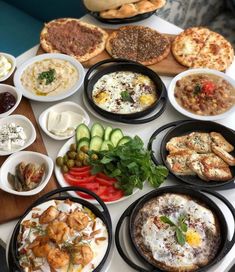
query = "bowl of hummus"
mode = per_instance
[{"x": 49, "y": 77}]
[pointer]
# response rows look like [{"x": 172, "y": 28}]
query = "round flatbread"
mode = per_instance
[
  {"x": 73, "y": 37},
  {"x": 199, "y": 47},
  {"x": 138, "y": 43},
  {"x": 132, "y": 9}
]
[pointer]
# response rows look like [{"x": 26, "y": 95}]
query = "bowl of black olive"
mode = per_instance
[{"x": 10, "y": 98}]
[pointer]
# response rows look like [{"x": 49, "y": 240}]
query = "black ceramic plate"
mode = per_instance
[
  {"x": 197, "y": 194},
  {"x": 114, "y": 65},
  {"x": 185, "y": 127},
  {"x": 133, "y": 19},
  {"x": 102, "y": 214}
]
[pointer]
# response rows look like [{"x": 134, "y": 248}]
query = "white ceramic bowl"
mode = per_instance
[
  {"x": 28, "y": 129},
  {"x": 64, "y": 106},
  {"x": 12, "y": 60},
  {"x": 174, "y": 103},
  {"x": 16, "y": 93},
  {"x": 60, "y": 96},
  {"x": 28, "y": 157}
]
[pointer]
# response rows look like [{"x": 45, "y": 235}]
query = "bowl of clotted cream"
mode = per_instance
[
  {"x": 7, "y": 65},
  {"x": 61, "y": 120}
]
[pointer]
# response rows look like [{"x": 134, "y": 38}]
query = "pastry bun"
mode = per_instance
[{"x": 101, "y": 5}]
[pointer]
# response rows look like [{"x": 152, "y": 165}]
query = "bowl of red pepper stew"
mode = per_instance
[{"x": 203, "y": 94}]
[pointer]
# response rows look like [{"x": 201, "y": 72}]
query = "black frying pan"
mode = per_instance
[
  {"x": 113, "y": 21},
  {"x": 103, "y": 214},
  {"x": 180, "y": 128},
  {"x": 197, "y": 194},
  {"x": 115, "y": 65}
]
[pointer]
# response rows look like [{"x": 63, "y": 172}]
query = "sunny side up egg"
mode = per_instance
[
  {"x": 202, "y": 237},
  {"x": 124, "y": 92}
]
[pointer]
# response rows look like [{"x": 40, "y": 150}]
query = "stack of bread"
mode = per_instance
[{"x": 118, "y": 9}]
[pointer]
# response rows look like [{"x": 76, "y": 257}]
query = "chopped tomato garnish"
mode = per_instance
[{"x": 208, "y": 87}]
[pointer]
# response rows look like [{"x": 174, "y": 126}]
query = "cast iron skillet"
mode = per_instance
[
  {"x": 185, "y": 127},
  {"x": 103, "y": 215},
  {"x": 132, "y": 211},
  {"x": 115, "y": 65}
]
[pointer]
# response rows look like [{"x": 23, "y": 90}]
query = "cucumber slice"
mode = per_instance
[
  {"x": 124, "y": 140},
  {"x": 95, "y": 143},
  {"x": 82, "y": 142},
  {"x": 107, "y": 133},
  {"x": 105, "y": 145},
  {"x": 82, "y": 131},
  {"x": 97, "y": 130},
  {"x": 116, "y": 136}
]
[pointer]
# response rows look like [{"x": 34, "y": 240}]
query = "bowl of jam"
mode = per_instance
[{"x": 10, "y": 98}]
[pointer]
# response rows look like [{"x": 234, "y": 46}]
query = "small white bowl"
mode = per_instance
[
  {"x": 12, "y": 60},
  {"x": 64, "y": 106},
  {"x": 176, "y": 105},
  {"x": 28, "y": 129},
  {"x": 16, "y": 93},
  {"x": 10, "y": 164},
  {"x": 52, "y": 98}
]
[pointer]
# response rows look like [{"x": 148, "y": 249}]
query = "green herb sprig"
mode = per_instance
[
  {"x": 197, "y": 89},
  {"x": 126, "y": 97},
  {"x": 180, "y": 228},
  {"x": 130, "y": 164},
  {"x": 49, "y": 76}
]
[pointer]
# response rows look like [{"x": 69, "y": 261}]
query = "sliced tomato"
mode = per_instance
[
  {"x": 112, "y": 196},
  {"x": 76, "y": 180},
  {"x": 105, "y": 182},
  {"x": 102, "y": 175},
  {"x": 101, "y": 190},
  {"x": 80, "y": 174},
  {"x": 81, "y": 169}
]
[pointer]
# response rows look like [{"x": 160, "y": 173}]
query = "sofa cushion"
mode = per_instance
[
  {"x": 225, "y": 25},
  {"x": 187, "y": 13},
  {"x": 18, "y": 31}
]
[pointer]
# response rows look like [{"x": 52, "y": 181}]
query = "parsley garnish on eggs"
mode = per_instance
[
  {"x": 180, "y": 229},
  {"x": 130, "y": 164}
]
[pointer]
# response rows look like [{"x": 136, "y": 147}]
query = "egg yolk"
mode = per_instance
[
  {"x": 147, "y": 99},
  {"x": 193, "y": 238},
  {"x": 143, "y": 79},
  {"x": 101, "y": 97}
]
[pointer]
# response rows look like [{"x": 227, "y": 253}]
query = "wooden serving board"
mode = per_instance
[
  {"x": 13, "y": 206},
  {"x": 167, "y": 67}
]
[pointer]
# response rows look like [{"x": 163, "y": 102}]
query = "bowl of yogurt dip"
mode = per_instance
[{"x": 7, "y": 66}]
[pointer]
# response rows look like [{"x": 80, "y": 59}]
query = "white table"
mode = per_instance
[{"x": 144, "y": 131}]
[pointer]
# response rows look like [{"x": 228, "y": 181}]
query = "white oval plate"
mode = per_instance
[
  {"x": 28, "y": 157},
  {"x": 69, "y": 92},
  {"x": 63, "y": 106},
  {"x": 63, "y": 183},
  {"x": 15, "y": 92},
  {"x": 28, "y": 127},
  {"x": 12, "y": 60},
  {"x": 183, "y": 111}
]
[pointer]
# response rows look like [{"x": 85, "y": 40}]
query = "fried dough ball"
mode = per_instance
[
  {"x": 48, "y": 215},
  {"x": 58, "y": 231},
  {"x": 57, "y": 258},
  {"x": 78, "y": 220}
]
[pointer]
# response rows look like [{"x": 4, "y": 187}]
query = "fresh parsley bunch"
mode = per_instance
[{"x": 130, "y": 164}]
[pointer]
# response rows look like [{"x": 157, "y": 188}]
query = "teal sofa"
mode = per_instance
[{"x": 22, "y": 20}]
